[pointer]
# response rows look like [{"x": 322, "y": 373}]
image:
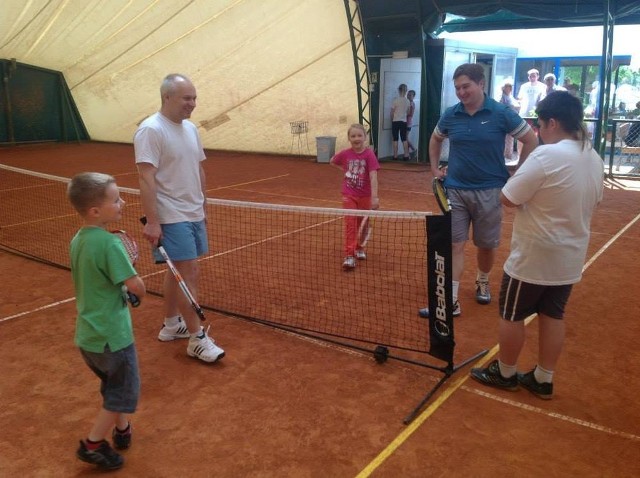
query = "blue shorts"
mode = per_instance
[
  {"x": 183, "y": 241},
  {"x": 119, "y": 377},
  {"x": 479, "y": 208},
  {"x": 518, "y": 299}
]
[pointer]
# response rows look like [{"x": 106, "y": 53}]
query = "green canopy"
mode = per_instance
[{"x": 476, "y": 15}]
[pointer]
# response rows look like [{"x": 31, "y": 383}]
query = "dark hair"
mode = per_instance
[
  {"x": 474, "y": 71},
  {"x": 567, "y": 110}
]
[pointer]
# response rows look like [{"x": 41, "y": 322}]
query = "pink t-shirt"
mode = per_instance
[{"x": 356, "y": 167}]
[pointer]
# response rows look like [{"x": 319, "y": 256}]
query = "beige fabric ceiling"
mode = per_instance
[{"x": 257, "y": 64}]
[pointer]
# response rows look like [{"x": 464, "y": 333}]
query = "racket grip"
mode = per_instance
[{"x": 133, "y": 299}]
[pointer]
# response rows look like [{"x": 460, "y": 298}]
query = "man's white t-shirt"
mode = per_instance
[
  {"x": 556, "y": 188},
  {"x": 176, "y": 151},
  {"x": 529, "y": 96}
]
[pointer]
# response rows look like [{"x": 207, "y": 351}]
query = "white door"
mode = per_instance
[{"x": 394, "y": 72}]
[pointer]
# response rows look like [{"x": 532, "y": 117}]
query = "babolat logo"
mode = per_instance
[{"x": 440, "y": 316}]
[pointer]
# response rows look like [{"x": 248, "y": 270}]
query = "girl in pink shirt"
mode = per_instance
[{"x": 359, "y": 188}]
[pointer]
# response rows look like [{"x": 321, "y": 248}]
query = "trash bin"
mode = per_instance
[{"x": 326, "y": 146}]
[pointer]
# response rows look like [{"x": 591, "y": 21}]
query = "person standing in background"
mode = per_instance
[
  {"x": 530, "y": 93},
  {"x": 399, "y": 109},
  {"x": 411, "y": 94},
  {"x": 507, "y": 99},
  {"x": 550, "y": 82}
]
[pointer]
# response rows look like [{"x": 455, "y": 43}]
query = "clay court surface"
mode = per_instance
[{"x": 279, "y": 405}]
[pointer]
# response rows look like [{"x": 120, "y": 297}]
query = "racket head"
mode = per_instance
[
  {"x": 364, "y": 231},
  {"x": 440, "y": 193},
  {"x": 129, "y": 243}
]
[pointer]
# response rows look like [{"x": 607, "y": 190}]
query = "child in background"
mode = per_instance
[
  {"x": 359, "y": 188},
  {"x": 411, "y": 94},
  {"x": 100, "y": 267}
]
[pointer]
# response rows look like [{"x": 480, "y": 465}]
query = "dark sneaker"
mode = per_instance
[
  {"x": 541, "y": 390},
  {"x": 121, "y": 441},
  {"x": 483, "y": 294},
  {"x": 491, "y": 376},
  {"x": 104, "y": 456},
  {"x": 424, "y": 313}
]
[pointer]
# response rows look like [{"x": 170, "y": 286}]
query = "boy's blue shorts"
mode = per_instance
[{"x": 119, "y": 377}]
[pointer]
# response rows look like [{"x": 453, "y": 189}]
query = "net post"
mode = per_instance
[{"x": 440, "y": 300}]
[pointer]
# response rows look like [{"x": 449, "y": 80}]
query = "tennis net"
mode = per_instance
[{"x": 280, "y": 265}]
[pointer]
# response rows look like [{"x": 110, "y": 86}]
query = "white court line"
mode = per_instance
[
  {"x": 541, "y": 411},
  {"x": 426, "y": 193},
  {"x": 249, "y": 182},
  {"x": 44, "y": 307},
  {"x": 267, "y": 193}
]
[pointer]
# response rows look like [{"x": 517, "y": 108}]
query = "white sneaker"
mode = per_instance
[
  {"x": 178, "y": 331},
  {"x": 349, "y": 263},
  {"x": 424, "y": 313},
  {"x": 361, "y": 255},
  {"x": 204, "y": 348}
]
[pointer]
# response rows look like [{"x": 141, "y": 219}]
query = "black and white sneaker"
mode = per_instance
[
  {"x": 104, "y": 456},
  {"x": 540, "y": 390},
  {"x": 491, "y": 376},
  {"x": 204, "y": 347}
]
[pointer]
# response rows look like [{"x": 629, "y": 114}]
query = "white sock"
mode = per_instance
[
  {"x": 542, "y": 375},
  {"x": 454, "y": 293},
  {"x": 172, "y": 321},
  {"x": 507, "y": 371},
  {"x": 199, "y": 334},
  {"x": 482, "y": 276}
]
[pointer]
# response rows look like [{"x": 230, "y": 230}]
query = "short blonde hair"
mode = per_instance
[{"x": 87, "y": 190}]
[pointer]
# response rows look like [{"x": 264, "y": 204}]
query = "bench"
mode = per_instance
[{"x": 629, "y": 155}]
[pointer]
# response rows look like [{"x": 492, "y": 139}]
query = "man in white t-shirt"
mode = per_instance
[
  {"x": 530, "y": 93},
  {"x": 554, "y": 192},
  {"x": 169, "y": 158}
]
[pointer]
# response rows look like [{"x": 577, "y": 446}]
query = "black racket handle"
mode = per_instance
[
  {"x": 133, "y": 299},
  {"x": 143, "y": 220}
]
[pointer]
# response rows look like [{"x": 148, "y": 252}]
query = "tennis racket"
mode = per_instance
[
  {"x": 364, "y": 231},
  {"x": 131, "y": 247},
  {"x": 440, "y": 192},
  {"x": 178, "y": 277}
]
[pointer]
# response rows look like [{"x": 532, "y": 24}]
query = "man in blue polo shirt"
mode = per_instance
[{"x": 475, "y": 172}]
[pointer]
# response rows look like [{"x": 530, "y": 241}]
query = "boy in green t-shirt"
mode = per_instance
[{"x": 100, "y": 267}]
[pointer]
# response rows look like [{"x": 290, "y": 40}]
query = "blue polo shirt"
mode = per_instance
[{"x": 476, "y": 144}]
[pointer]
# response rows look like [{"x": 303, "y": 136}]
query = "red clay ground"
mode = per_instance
[{"x": 280, "y": 405}]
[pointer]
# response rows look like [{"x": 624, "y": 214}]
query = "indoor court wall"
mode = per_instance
[{"x": 257, "y": 64}]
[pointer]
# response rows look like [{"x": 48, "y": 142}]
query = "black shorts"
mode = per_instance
[
  {"x": 519, "y": 300},
  {"x": 399, "y": 127}
]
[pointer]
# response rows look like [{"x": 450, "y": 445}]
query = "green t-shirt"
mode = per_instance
[{"x": 99, "y": 267}]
